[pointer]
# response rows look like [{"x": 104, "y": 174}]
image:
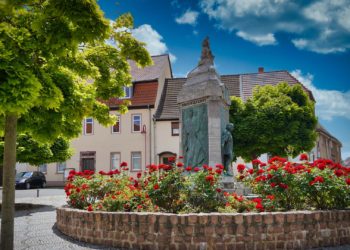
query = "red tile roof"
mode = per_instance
[{"x": 144, "y": 94}]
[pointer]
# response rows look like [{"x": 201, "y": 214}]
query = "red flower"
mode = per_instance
[
  {"x": 241, "y": 177},
  {"x": 84, "y": 186},
  {"x": 139, "y": 207},
  {"x": 72, "y": 172},
  {"x": 240, "y": 167},
  {"x": 209, "y": 178},
  {"x": 139, "y": 175},
  {"x": 180, "y": 164},
  {"x": 218, "y": 190},
  {"x": 251, "y": 171},
  {"x": 205, "y": 167},
  {"x": 196, "y": 169},
  {"x": 347, "y": 181},
  {"x": 220, "y": 166},
  {"x": 260, "y": 207},
  {"x": 90, "y": 208},
  {"x": 282, "y": 185},
  {"x": 78, "y": 190},
  {"x": 256, "y": 162},
  {"x": 338, "y": 172},
  {"x": 303, "y": 157},
  {"x": 156, "y": 187},
  {"x": 171, "y": 159},
  {"x": 273, "y": 184},
  {"x": 123, "y": 164},
  {"x": 319, "y": 179},
  {"x": 270, "y": 197},
  {"x": 181, "y": 157},
  {"x": 102, "y": 172},
  {"x": 218, "y": 171},
  {"x": 188, "y": 168}
]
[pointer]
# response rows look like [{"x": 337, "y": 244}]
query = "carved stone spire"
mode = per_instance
[{"x": 206, "y": 57}]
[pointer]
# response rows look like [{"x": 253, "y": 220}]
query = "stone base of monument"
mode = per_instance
[
  {"x": 227, "y": 182},
  {"x": 229, "y": 185}
]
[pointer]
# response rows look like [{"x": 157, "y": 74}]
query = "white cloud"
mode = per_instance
[
  {"x": 154, "y": 41},
  {"x": 261, "y": 40},
  {"x": 189, "y": 17},
  {"x": 320, "y": 26},
  {"x": 329, "y": 103}
]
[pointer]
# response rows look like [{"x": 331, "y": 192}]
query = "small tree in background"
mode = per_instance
[
  {"x": 278, "y": 120},
  {"x": 55, "y": 69}
]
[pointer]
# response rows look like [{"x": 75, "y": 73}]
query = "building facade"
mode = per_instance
[{"x": 149, "y": 131}]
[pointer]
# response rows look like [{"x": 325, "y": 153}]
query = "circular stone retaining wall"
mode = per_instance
[{"x": 277, "y": 230}]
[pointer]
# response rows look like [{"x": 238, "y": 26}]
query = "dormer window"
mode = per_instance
[{"x": 128, "y": 92}]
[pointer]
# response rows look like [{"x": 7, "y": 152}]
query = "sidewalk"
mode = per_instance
[{"x": 35, "y": 227}]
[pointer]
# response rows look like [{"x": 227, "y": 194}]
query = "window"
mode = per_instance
[
  {"x": 127, "y": 91},
  {"x": 136, "y": 123},
  {"x": 42, "y": 168},
  {"x": 175, "y": 128},
  {"x": 116, "y": 126},
  {"x": 115, "y": 160},
  {"x": 136, "y": 161},
  {"x": 88, "y": 126},
  {"x": 61, "y": 166}
]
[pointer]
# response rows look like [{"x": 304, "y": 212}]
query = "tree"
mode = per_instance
[
  {"x": 278, "y": 120},
  {"x": 36, "y": 153},
  {"x": 56, "y": 69}
]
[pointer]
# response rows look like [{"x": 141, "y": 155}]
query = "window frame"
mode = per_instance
[
  {"x": 39, "y": 168},
  {"x": 92, "y": 126},
  {"x": 132, "y": 123},
  {"x": 132, "y": 161},
  {"x": 172, "y": 129},
  {"x": 57, "y": 165},
  {"x": 119, "y": 122},
  {"x": 130, "y": 92},
  {"x": 111, "y": 160}
]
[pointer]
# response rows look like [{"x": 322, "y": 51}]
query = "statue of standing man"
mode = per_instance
[{"x": 227, "y": 148}]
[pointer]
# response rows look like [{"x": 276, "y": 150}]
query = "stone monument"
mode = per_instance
[{"x": 204, "y": 115}]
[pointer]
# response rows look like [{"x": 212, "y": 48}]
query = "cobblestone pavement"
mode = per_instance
[{"x": 35, "y": 227}]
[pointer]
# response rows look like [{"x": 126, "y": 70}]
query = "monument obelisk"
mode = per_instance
[{"x": 204, "y": 114}]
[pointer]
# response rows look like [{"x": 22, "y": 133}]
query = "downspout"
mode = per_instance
[
  {"x": 150, "y": 134},
  {"x": 155, "y": 142}
]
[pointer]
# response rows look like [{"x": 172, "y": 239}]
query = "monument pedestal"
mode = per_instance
[{"x": 204, "y": 114}]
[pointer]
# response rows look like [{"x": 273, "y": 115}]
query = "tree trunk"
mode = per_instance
[{"x": 8, "y": 191}]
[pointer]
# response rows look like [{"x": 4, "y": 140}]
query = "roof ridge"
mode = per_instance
[
  {"x": 166, "y": 54},
  {"x": 256, "y": 73}
]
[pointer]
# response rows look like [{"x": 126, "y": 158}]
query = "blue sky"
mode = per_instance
[{"x": 310, "y": 38}]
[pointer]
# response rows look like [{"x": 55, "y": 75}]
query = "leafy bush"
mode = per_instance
[
  {"x": 281, "y": 185},
  {"x": 318, "y": 185},
  {"x": 169, "y": 188}
]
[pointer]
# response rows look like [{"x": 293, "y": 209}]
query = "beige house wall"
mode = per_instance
[
  {"x": 104, "y": 142},
  {"x": 165, "y": 141}
]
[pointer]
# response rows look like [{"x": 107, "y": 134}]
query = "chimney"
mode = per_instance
[{"x": 261, "y": 70}]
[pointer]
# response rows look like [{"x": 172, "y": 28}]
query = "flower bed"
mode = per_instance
[
  {"x": 163, "y": 207},
  {"x": 174, "y": 188}
]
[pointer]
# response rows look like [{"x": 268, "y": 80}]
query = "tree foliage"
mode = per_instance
[
  {"x": 56, "y": 68},
  {"x": 36, "y": 153},
  {"x": 278, "y": 120}
]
